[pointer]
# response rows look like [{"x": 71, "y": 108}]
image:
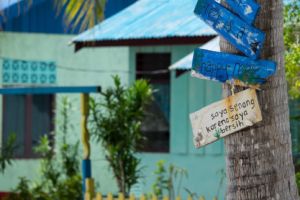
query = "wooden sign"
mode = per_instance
[
  {"x": 226, "y": 67},
  {"x": 246, "y": 9},
  {"x": 243, "y": 36},
  {"x": 225, "y": 117}
]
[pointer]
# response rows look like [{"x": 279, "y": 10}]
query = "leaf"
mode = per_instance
[{"x": 81, "y": 13}]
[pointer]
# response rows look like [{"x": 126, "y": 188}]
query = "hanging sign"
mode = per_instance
[
  {"x": 225, "y": 117},
  {"x": 246, "y": 9},
  {"x": 243, "y": 36},
  {"x": 226, "y": 67}
]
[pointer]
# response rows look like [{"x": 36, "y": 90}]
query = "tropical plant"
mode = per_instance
[
  {"x": 116, "y": 122},
  {"x": 7, "y": 152},
  {"x": 60, "y": 178},
  {"x": 291, "y": 23},
  {"x": 167, "y": 180},
  {"x": 85, "y": 13},
  {"x": 259, "y": 159},
  {"x": 292, "y": 46},
  {"x": 68, "y": 151},
  {"x": 77, "y": 13}
]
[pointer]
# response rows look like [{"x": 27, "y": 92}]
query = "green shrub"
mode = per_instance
[{"x": 115, "y": 123}]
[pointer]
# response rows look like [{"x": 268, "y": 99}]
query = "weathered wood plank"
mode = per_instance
[
  {"x": 246, "y": 9},
  {"x": 243, "y": 36},
  {"x": 225, "y": 117},
  {"x": 226, "y": 67}
]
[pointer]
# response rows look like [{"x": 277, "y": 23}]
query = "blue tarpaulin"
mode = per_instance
[{"x": 149, "y": 19}]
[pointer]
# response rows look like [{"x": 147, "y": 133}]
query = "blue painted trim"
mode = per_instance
[
  {"x": 86, "y": 173},
  {"x": 243, "y": 36},
  {"x": 50, "y": 90},
  {"x": 246, "y": 9},
  {"x": 224, "y": 67}
]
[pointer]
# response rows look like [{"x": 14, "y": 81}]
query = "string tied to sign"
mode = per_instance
[{"x": 232, "y": 87}]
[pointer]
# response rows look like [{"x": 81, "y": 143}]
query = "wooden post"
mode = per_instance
[
  {"x": 84, "y": 131},
  {"x": 87, "y": 196},
  {"x": 99, "y": 196},
  {"x": 202, "y": 198},
  {"x": 87, "y": 181},
  {"x": 121, "y": 196},
  {"x": 143, "y": 197},
  {"x": 132, "y": 197},
  {"x": 154, "y": 197},
  {"x": 109, "y": 196},
  {"x": 90, "y": 189}
]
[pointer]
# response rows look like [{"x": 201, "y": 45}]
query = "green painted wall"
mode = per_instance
[
  {"x": 187, "y": 95},
  {"x": 94, "y": 66},
  {"x": 86, "y": 67}
]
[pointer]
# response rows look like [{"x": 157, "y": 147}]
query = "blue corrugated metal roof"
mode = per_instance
[
  {"x": 186, "y": 62},
  {"x": 148, "y": 19}
]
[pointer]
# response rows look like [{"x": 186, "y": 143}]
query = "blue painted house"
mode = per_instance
[
  {"x": 156, "y": 36},
  {"x": 142, "y": 40}
]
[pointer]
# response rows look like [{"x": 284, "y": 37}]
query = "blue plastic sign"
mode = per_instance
[
  {"x": 226, "y": 67},
  {"x": 243, "y": 36},
  {"x": 246, "y": 9}
]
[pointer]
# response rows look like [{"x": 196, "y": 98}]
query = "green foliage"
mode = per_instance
[
  {"x": 60, "y": 179},
  {"x": 167, "y": 180},
  {"x": 7, "y": 152},
  {"x": 86, "y": 13},
  {"x": 298, "y": 180},
  {"x": 291, "y": 23},
  {"x": 292, "y": 45},
  {"x": 292, "y": 64},
  {"x": 116, "y": 121},
  {"x": 68, "y": 152}
]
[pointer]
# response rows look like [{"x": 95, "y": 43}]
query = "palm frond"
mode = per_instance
[{"x": 81, "y": 13}]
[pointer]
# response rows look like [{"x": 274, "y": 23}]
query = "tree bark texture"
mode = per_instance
[{"x": 259, "y": 159}]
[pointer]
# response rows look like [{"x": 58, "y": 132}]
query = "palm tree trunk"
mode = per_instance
[{"x": 259, "y": 159}]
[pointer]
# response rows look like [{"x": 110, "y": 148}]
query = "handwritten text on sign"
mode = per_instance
[
  {"x": 246, "y": 9},
  {"x": 243, "y": 36},
  {"x": 226, "y": 67},
  {"x": 225, "y": 117}
]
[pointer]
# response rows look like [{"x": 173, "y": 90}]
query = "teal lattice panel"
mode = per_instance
[{"x": 28, "y": 72}]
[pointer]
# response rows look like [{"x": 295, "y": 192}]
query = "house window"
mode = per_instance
[
  {"x": 155, "y": 127},
  {"x": 29, "y": 117}
]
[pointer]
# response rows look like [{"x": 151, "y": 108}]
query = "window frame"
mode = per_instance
[
  {"x": 28, "y": 152},
  {"x": 139, "y": 75}
]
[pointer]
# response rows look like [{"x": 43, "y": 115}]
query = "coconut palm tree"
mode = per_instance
[
  {"x": 259, "y": 159},
  {"x": 83, "y": 13}
]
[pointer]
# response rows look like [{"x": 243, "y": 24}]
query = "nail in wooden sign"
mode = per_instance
[
  {"x": 225, "y": 117},
  {"x": 243, "y": 36},
  {"x": 226, "y": 67},
  {"x": 246, "y": 9}
]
